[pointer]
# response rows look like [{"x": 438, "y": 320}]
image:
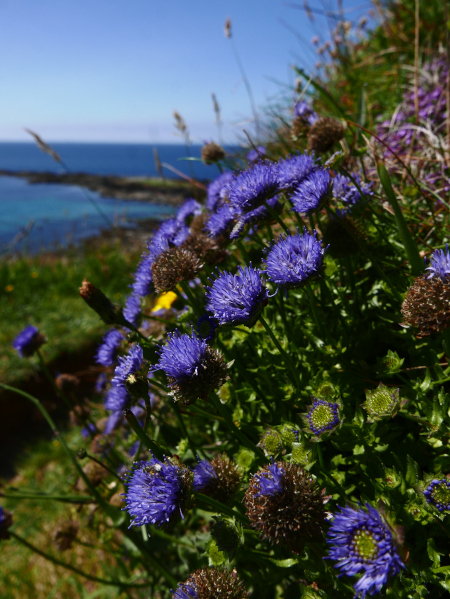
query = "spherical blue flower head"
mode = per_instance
[
  {"x": 323, "y": 416},
  {"x": 256, "y": 154},
  {"x": 182, "y": 357},
  {"x": 220, "y": 222},
  {"x": 312, "y": 192},
  {"x": 204, "y": 473},
  {"x": 216, "y": 189},
  {"x": 305, "y": 112},
  {"x": 206, "y": 327},
  {"x": 292, "y": 170},
  {"x": 169, "y": 233},
  {"x": 273, "y": 485},
  {"x": 132, "y": 308},
  {"x": 128, "y": 364},
  {"x": 185, "y": 590},
  {"x": 363, "y": 544},
  {"x": 253, "y": 216},
  {"x": 438, "y": 494},
  {"x": 143, "y": 276},
  {"x": 440, "y": 265},
  {"x": 156, "y": 492},
  {"x": 240, "y": 298},
  {"x": 295, "y": 259},
  {"x": 190, "y": 208},
  {"x": 28, "y": 341},
  {"x": 251, "y": 188},
  {"x": 107, "y": 351}
]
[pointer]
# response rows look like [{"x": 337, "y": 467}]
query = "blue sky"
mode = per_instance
[{"x": 110, "y": 70}]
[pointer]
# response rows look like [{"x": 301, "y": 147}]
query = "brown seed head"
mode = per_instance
[
  {"x": 292, "y": 516},
  {"x": 65, "y": 535},
  {"x": 205, "y": 248},
  {"x": 299, "y": 128},
  {"x": 325, "y": 132},
  {"x": 427, "y": 306},
  {"x": 215, "y": 583},
  {"x": 173, "y": 266},
  {"x": 212, "y": 153},
  {"x": 67, "y": 382},
  {"x": 227, "y": 482}
]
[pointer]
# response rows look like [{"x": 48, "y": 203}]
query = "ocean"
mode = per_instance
[{"x": 42, "y": 216}]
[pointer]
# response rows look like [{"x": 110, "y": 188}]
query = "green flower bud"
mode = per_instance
[
  {"x": 301, "y": 454},
  {"x": 244, "y": 459},
  {"x": 271, "y": 442},
  {"x": 382, "y": 402}
]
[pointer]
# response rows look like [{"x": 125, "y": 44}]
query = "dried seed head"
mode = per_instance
[
  {"x": 212, "y": 153},
  {"x": 95, "y": 298},
  {"x": 205, "y": 248},
  {"x": 173, "y": 266},
  {"x": 287, "y": 510},
  {"x": 212, "y": 583},
  {"x": 427, "y": 306},
  {"x": 300, "y": 127},
  {"x": 323, "y": 134},
  {"x": 228, "y": 479}
]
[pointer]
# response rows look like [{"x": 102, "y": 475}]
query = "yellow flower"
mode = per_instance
[
  {"x": 9, "y": 288},
  {"x": 164, "y": 301}
]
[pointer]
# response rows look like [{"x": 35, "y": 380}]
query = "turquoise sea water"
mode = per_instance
[{"x": 44, "y": 216}]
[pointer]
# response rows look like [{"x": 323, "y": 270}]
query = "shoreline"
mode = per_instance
[{"x": 151, "y": 190}]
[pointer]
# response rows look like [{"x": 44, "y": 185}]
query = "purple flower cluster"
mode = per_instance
[
  {"x": 440, "y": 265},
  {"x": 256, "y": 154},
  {"x": 132, "y": 308},
  {"x": 362, "y": 543},
  {"x": 292, "y": 170},
  {"x": 107, "y": 351},
  {"x": 156, "y": 492},
  {"x": 305, "y": 112},
  {"x": 216, "y": 191},
  {"x": 234, "y": 299},
  {"x": 295, "y": 259},
  {"x": 182, "y": 357},
  {"x": 323, "y": 416},
  {"x": 249, "y": 189},
  {"x": 204, "y": 473},
  {"x": 270, "y": 483},
  {"x": 312, "y": 192},
  {"x": 187, "y": 210},
  {"x": 117, "y": 399},
  {"x": 28, "y": 341},
  {"x": 347, "y": 192},
  {"x": 438, "y": 494}
]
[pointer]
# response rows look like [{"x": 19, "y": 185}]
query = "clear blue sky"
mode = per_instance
[{"x": 115, "y": 70}]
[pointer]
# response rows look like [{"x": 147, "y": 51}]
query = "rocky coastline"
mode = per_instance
[{"x": 153, "y": 190}]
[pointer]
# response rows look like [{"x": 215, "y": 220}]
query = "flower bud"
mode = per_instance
[
  {"x": 427, "y": 306},
  {"x": 438, "y": 494},
  {"x": 173, "y": 266},
  {"x": 95, "y": 298},
  {"x": 212, "y": 153},
  {"x": 211, "y": 583},
  {"x": 271, "y": 443},
  {"x": 323, "y": 416},
  {"x": 324, "y": 133},
  {"x": 382, "y": 402}
]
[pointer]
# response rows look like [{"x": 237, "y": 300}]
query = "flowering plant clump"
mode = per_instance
[
  {"x": 321, "y": 292},
  {"x": 362, "y": 543}
]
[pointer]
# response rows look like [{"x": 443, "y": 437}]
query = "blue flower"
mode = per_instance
[
  {"x": 292, "y": 170},
  {"x": 193, "y": 368},
  {"x": 251, "y": 188},
  {"x": 348, "y": 193},
  {"x": 206, "y": 327},
  {"x": 237, "y": 298},
  {"x": 271, "y": 482},
  {"x": 295, "y": 259},
  {"x": 132, "y": 308},
  {"x": 323, "y": 416},
  {"x": 438, "y": 494},
  {"x": 204, "y": 473},
  {"x": 256, "y": 154},
  {"x": 116, "y": 400},
  {"x": 189, "y": 208},
  {"x": 312, "y": 192},
  {"x": 107, "y": 350},
  {"x": 440, "y": 265},
  {"x": 100, "y": 382},
  {"x": 143, "y": 277},
  {"x": 28, "y": 341},
  {"x": 252, "y": 216},
  {"x": 220, "y": 222},
  {"x": 305, "y": 112},
  {"x": 186, "y": 590},
  {"x": 157, "y": 492},
  {"x": 362, "y": 543},
  {"x": 216, "y": 190},
  {"x": 128, "y": 364},
  {"x": 5, "y": 523}
]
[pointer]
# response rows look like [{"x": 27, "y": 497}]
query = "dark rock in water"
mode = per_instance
[{"x": 155, "y": 191}]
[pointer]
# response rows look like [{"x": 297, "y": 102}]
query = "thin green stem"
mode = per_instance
[
  {"x": 220, "y": 507},
  {"x": 63, "y": 498},
  {"x": 320, "y": 456},
  {"x": 147, "y": 419},
  {"x": 51, "y": 380},
  {"x": 100, "y": 463},
  {"x": 283, "y": 353},
  {"x": 312, "y": 301},
  {"x": 191, "y": 297},
  {"x": 58, "y": 562},
  {"x": 184, "y": 431},
  {"x": 276, "y": 217},
  {"x": 151, "y": 445}
]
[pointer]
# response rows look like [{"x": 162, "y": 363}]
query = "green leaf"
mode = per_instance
[
  {"x": 284, "y": 563},
  {"x": 433, "y": 553},
  {"x": 412, "y": 472}
]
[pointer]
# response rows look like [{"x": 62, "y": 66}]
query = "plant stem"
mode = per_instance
[
  {"x": 58, "y": 562},
  {"x": 51, "y": 380},
  {"x": 220, "y": 507},
  {"x": 147, "y": 419},
  {"x": 312, "y": 301},
  {"x": 283, "y": 353},
  {"x": 151, "y": 445}
]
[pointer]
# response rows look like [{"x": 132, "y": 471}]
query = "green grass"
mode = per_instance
[{"x": 43, "y": 291}]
